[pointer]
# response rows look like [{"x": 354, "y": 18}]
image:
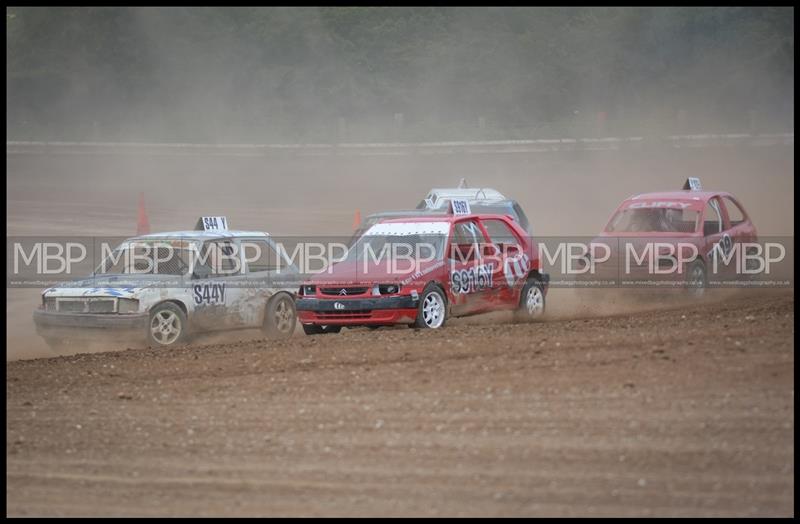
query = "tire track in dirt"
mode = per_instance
[{"x": 685, "y": 411}]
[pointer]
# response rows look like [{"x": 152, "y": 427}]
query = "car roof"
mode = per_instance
[
  {"x": 468, "y": 193},
  {"x": 445, "y": 218},
  {"x": 410, "y": 212},
  {"x": 201, "y": 235},
  {"x": 507, "y": 202},
  {"x": 685, "y": 194}
]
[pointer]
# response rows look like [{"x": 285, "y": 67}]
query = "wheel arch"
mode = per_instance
[
  {"x": 534, "y": 273},
  {"x": 281, "y": 292},
  {"x": 175, "y": 301},
  {"x": 442, "y": 289},
  {"x": 186, "y": 328},
  {"x": 273, "y": 297}
]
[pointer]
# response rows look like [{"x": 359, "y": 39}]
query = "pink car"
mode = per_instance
[{"x": 681, "y": 228}]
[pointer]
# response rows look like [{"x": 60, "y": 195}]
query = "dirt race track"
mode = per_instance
[
  {"x": 684, "y": 411},
  {"x": 654, "y": 408}
]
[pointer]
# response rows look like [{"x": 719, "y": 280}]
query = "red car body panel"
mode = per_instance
[
  {"x": 489, "y": 281},
  {"x": 707, "y": 204}
]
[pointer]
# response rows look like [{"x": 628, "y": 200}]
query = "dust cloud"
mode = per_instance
[{"x": 563, "y": 194}]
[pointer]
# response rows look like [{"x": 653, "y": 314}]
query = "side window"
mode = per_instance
[
  {"x": 467, "y": 241},
  {"x": 468, "y": 232},
  {"x": 713, "y": 219},
  {"x": 170, "y": 261},
  {"x": 140, "y": 262},
  {"x": 220, "y": 258},
  {"x": 260, "y": 256},
  {"x": 735, "y": 213},
  {"x": 500, "y": 233}
]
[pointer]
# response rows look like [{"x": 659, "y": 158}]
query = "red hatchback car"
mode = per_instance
[
  {"x": 711, "y": 223},
  {"x": 420, "y": 271}
]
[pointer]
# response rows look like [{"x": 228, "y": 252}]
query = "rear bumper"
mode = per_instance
[
  {"x": 73, "y": 325},
  {"x": 358, "y": 311}
]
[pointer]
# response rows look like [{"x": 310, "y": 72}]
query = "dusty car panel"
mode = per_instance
[{"x": 124, "y": 292}]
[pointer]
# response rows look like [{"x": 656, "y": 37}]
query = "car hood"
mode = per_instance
[
  {"x": 123, "y": 286},
  {"x": 355, "y": 272}
]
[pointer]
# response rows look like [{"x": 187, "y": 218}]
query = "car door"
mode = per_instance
[
  {"x": 717, "y": 242},
  {"x": 511, "y": 261},
  {"x": 739, "y": 228},
  {"x": 470, "y": 279},
  {"x": 739, "y": 225},
  {"x": 217, "y": 290},
  {"x": 263, "y": 274}
]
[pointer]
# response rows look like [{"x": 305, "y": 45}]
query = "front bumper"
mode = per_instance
[
  {"x": 73, "y": 325},
  {"x": 358, "y": 311}
]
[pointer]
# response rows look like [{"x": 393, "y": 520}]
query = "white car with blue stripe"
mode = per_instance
[{"x": 162, "y": 288}]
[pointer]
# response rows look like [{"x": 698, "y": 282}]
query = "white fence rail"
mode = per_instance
[{"x": 419, "y": 148}]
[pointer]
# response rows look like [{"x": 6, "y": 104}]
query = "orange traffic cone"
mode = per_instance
[
  {"x": 142, "y": 224},
  {"x": 357, "y": 220}
]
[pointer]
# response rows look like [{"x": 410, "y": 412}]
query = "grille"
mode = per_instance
[
  {"x": 105, "y": 305},
  {"x": 50, "y": 304},
  {"x": 330, "y": 315},
  {"x": 101, "y": 306},
  {"x": 338, "y": 290},
  {"x": 71, "y": 306}
]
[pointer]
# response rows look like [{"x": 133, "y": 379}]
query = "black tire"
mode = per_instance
[
  {"x": 172, "y": 319},
  {"x": 429, "y": 314},
  {"x": 696, "y": 279},
  {"x": 280, "y": 317},
  {"x": 314, "y": 329},
  {"x": 532, "y": 303}
]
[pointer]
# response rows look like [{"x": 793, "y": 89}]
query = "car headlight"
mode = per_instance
[
  {"x": 389, "y": 289},
  {"x": 49, "y": 303},
  {"x": 308, "y": 290},
  {"x": 128, "y": 305}
]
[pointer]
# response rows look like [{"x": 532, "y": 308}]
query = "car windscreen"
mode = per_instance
[
  {"x": 654, "y": 220},
  {"x": 147, "y": 259},
  {"x": 420, "y": 240},
  {"x": 376, "y": 247}
]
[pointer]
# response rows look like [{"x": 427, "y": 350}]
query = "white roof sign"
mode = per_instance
[{"x": 408, "y": 228}]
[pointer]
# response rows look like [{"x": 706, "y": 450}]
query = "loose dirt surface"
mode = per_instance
[
  {"x": 684, "y": 411},
  {"x": 611, "y": 407}
]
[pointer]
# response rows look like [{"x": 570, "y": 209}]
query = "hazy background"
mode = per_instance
[
  {"x": 276, "y": 75},
  {"x": 406, "y": 74}
]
